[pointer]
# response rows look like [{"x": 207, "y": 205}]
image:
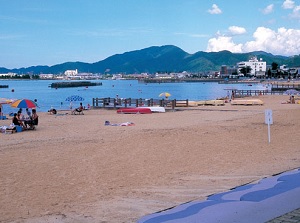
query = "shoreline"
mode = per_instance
[{"x": 74, "y": 168}]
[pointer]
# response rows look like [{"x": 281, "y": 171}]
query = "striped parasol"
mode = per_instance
[
  {"x": 23, "y": 103},
  {"x": 75, "y": 98}
]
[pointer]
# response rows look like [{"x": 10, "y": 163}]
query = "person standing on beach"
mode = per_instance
[{"x": 117, "y": 99}]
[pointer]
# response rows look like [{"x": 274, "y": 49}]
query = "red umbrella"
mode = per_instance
[{"x": 23, "y": 103}]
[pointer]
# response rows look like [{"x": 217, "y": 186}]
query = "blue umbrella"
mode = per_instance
[
  {"x": 74, "y": 98},
  {"x": 291, "y": 92}
]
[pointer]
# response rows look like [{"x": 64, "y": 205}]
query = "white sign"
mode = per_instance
[
  {"x": 268, "y": 117},
  {"x": 269, "y": 121}
]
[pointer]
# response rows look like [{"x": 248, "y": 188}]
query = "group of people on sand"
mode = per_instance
[
  {"x": 290, "y": 101},
  {"x": 80, "y": 109},
  {"x": 27, "y": 122}
]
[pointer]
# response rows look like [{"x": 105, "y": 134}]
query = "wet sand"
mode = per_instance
[{"x": 73, "y": 168}]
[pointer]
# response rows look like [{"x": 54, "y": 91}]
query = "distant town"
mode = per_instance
[{"x": 253, "y": 68}]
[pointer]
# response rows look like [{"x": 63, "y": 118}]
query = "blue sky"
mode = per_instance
[{"x": 49, "y": 32}]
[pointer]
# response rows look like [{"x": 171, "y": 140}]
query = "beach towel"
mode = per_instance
[{"x": 119, "y": 124}]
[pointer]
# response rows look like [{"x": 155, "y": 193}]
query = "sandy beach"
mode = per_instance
[{"x": 73, "y": 168}]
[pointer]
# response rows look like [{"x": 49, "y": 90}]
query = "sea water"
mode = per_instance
[{"x": 48, "y": 97}]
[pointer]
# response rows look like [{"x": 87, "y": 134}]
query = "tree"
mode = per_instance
[
  {"x": 274, "y": 66},
  {"x": 245, "y": 70},
  {"x": 269, "y": 73}
]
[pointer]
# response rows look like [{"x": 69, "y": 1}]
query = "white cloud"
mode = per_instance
[
  {"x": 268, "y": 9},
  {"x": 296, "y": 12},
  {"x": 236, "y": 30},
  {"x": 215, "y": 9},
  {"x": 288, "y": 4},
  {"x": 282, "y": 42},
  {"x": 195, "y": 35},
  {"x": 223, "y": 43}
]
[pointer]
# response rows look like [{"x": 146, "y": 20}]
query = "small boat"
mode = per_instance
[
  {"x": 156, "y": 109},
  {"x": 137, "y": 110}
]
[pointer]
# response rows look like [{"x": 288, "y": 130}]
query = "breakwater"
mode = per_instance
[
  {"x": 73, "y": 84},
  {"x": 179, "y": 80}
]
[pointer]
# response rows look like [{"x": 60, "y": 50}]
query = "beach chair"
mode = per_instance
[{"x": 78, "y": 112}]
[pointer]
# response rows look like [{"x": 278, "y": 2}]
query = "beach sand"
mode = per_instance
[{"x": 73, "y": 168}]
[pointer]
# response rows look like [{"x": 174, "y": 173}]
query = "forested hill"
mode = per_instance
[{"x": 154, "y": 59}]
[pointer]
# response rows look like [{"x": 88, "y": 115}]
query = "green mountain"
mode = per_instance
[{"x": 160, "y": 59}]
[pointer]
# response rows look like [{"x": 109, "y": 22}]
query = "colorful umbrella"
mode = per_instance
[
  {"x": 23, "y": 103},
  {"x": 74, "y": 98},
  {"x": 165, "y": 94}
]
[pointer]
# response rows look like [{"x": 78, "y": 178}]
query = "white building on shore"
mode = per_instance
[
  {"x": 258, "y": 67},
  {"x": 71, "y": 72}
]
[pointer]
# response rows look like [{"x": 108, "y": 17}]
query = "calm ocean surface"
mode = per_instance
[{"x": 50, "y": 97}]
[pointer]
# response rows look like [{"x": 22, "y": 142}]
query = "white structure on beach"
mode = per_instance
[{"x": 258, "y": 67}]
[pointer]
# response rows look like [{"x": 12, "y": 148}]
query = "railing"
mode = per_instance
[
  {"x": 114, "y": 103},
  {"x": 285, "y": 86},
  {"x": 257, "y": 92}
]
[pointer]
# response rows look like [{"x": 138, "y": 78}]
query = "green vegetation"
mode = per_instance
[
  {"x": 25, "y": 76},
  {"x": 160, "y": 59}
]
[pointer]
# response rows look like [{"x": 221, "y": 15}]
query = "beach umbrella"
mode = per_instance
[
  {"x": 6, "y": 100},
  {"x": 165, "y": 94},
  {"x": 23, "y": 103},
  {"x": 291, "y": 92},
  {"x": 74, "y": 98}
]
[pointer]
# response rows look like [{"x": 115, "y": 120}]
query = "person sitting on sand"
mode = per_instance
[
  {"x": 292, "y": 100},
  {"x": 15, "y": 120},
  {"x": 35, "y": 117},
  {"x": 28, "y": 112},
  {"x": 34, "y": 120},
  {"x": 79, "y": 109},
  {"x": 19, "y": 120},
  {"x": 52, "y": 111}
]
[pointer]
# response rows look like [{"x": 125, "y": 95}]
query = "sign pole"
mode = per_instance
[
  {"x": 269, "y": 132},
  {"x": 269, "y": 121}
]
